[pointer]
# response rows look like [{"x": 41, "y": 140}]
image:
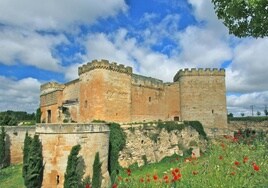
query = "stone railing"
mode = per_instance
[{"x": 104, "y": 64}]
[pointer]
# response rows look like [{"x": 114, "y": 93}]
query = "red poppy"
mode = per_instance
[
  {"x": 114, "y": 185},
  {"x": 221, "y": 157},
  {"x": 236, "y": 163},
  {"x": 245, "y": 159},
  {"x": 232, "y": 173},
  {"x": 155, "y": 177},
  {"x": 256, "y": 167},
  {"x": 176, "y": 170},
  {"x": 128, "y": 171},
  {"x": 141, "y": 180},
  {"x": 165, "y": 177},
  {"x": 222, "y": 145},
  {"x": 176, "y": 177},
  {"x": 88, "y": 186}
]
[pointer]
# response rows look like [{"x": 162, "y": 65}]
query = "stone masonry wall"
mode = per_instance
[
  {"x": 14, "y": 141},
  {"x": 202, "y": 97},
  {"x": 57, "y": 142},
  {"x": 140, "y": 143},
  {"x": 236, "y": 125}
]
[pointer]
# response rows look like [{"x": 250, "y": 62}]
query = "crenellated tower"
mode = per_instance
[
  {"x": 105, "y": 91},
  {"x": 203, "y": 96}
]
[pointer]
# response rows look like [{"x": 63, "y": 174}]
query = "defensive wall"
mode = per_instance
[
  {"x": 57, "y": 141},
  {"x": 111, "y": 92}
]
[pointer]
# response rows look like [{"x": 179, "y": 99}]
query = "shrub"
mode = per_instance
[{"x": 96, "y": 179}]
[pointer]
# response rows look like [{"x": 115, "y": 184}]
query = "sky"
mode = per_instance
[{"x": 48, "y": 41}]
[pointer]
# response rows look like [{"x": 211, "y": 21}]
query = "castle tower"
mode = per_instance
[
  {"x": 105, "y": 92},
  {"x": 50, "y": 100},
  {"x": 203, "y": 97}
]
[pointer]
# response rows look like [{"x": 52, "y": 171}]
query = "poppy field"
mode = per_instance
[{"x": 239, "y": 161}]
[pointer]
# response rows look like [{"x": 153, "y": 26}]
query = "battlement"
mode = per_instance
[
  {"x": 199, "y": 72},
  {"x": 104, "y": 64},
  {"x": 50, "y": 87}
]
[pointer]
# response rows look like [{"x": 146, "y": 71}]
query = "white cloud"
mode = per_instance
[
  {"x": 29, "y": 48},
  {"x": 238, "y": 104},
  {"x": 56, "y": 15},
  {"x": 19, "y": 95}
]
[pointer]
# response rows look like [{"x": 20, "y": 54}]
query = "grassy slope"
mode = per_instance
[{"x": 11, "y": 177}]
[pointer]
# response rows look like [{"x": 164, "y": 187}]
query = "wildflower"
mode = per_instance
[
  {"x": 177, "y": 177},
  {"x": 221, "y": 157},
  {"x": 236, "y": 163},
  {"x": 114, "y": 185},
  {"x": 126, "y": 179},
  {"x": 148, "y": 180},
  {"x": 141, "y": 180},
  {"x": 88, "y": 186},
  {"x": 176, "y": 170},
  {"x": 195, "y": 172},
  {"x": 232, "y": 173},
  {"x": 155, "y": 177},
  {"x": 165, "y": 177},
  {"x": 256, "y": 167},
  {"x": 128, "y": 172},
  {"x": 245, "y": 159},
  {"x": 222, "y": 145}
]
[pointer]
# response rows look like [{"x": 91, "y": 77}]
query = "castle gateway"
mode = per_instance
[{"x": 111, "y": 92}]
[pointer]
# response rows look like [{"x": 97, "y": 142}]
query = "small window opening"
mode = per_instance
[
  {"x": 49, "y": 116},
  {"x": 85, "y": 105},
  {"x": 176, "y": 118},
  {"x": 142, "y": 141},
  {"x": 58, "y": 179},
  {"x": 150, "y": 99},
  {"x": 212, "y": 111}
]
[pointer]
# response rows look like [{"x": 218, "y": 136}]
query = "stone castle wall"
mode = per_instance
[
  {"x": 15, "y": 140},
  {"x": 57, "y": 142},
  {"x": 202, "y": 96},
  {"x": 111, "y": 92}
]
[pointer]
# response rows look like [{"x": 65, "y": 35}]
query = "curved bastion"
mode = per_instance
[{"x": 57, "y": 142}]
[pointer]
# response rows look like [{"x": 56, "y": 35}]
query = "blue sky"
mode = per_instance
[{"x": 41, "y": 42}]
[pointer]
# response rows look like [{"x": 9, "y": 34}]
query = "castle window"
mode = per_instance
[
  {"x": 49, "y": 116},
  {"x": 212, "y": 111},
  {"x": 58, "y": 179},
  {"x": 85, "y": 105},
  {"x": 150, "y": 99},
  {"x": 176, "y": 118}
]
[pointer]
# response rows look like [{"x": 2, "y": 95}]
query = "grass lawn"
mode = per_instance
[{"x": 11, "y": 177}]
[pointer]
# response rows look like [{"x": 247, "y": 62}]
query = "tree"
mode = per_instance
[
  {"x": 242, "y": 114},
  {"x": 38, "y": 115},
  {"x": 266, "y": 112},
  {"x": 96, "y": 179},
  {"x": 244, "y": 17},
  {"x": 34, "y": 172},
  {"x": 258, "y": 113},
  {"x": 72, "y": 178},
  {"x": 26, "y": 152},
  {"x": 2, "y": 147},
  {"x": 230, "y": 115}
]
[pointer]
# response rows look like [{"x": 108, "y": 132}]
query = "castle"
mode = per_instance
[{"x": 112, "y": 92}]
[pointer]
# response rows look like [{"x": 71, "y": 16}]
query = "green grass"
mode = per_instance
[
  {"x": 11, "y": 177},
  {"x": 227, "y": 164}
]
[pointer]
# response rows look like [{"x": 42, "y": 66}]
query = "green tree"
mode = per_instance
[
  {"x": 26, "y": 152},
  {"x": 2, "y": 147},
  {"x": 244, "y": 17},
  {"x": 38, "y": 115},
  {"x": 230, "y": 115},
  {"x": 34, "y": 172},
  {"x": 73, "y": 179},
  {"x": 266, "y": 112},
  {"x": 116, "y": 143},
  {"x": 258, "y": 113},
  {"x": 242, "y": 114},
  {"x": 96, "y": 179}
]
